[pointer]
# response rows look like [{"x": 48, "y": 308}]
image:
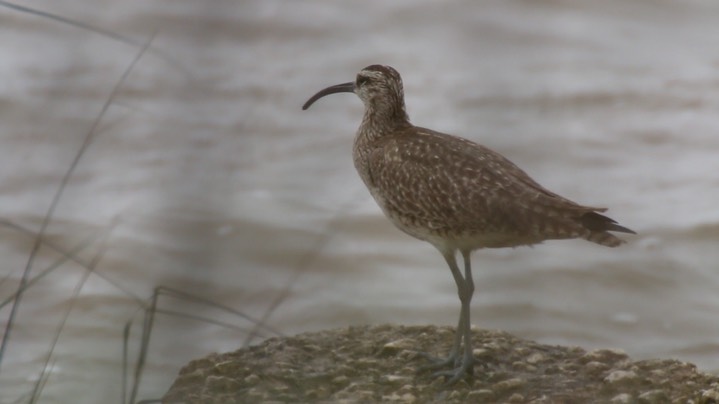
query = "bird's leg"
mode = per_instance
[
  {"x": 465, "y": 289},
  {"x": 468, "y": 358},
  {"x": 453, "y": 358}
]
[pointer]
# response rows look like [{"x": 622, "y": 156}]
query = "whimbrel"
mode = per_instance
[{"x": 455, "y": 194}]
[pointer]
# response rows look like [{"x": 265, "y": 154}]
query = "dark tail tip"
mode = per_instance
[{"x": 595, "y": 222}]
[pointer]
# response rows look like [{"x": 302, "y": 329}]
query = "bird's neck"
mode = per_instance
[{"x": 378, "y": 122}]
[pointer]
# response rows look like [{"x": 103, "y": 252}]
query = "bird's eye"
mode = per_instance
[{"x": 362, "y": 80}]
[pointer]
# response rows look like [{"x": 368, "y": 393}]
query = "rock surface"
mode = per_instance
[{"x": 379, "y": 364}]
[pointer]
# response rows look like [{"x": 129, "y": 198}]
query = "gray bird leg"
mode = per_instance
[
  {"x": 465, "y": 290},
  {"x": 468, "y": 359},
  {"x": 453, "y": 357}
]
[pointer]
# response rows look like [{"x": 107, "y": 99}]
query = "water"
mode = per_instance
[{"x": 221, "y": 186}]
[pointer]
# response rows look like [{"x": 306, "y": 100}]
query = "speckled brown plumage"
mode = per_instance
[
  {"x": 435, "y": 185},
  {"x": 456, "y": 194}
]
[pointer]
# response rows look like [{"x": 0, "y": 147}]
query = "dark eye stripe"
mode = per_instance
[{"x": 361, "y": 80}]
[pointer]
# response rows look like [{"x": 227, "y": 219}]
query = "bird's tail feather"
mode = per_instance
[
  {"x": 599, "y": 227},
  {"x": 604, "y": 238}
]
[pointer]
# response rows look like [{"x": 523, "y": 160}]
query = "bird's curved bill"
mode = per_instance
[{"x": 338, "y": 88}]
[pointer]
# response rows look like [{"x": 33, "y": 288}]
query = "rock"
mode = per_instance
[
  {"x": 340, "y": 380},
  {"x": 604, "y": 356},
  {"x": 219, "y": 383},
  {"x": 393, "y": 397},
  {"x": 408, "y": 398},
  {"x": 534, "y": 358},
  {"x": 365, "y": 395},
  {"x": 394, "y": 347},
  {"x": 710, "y": 396},
  {"x": 595, "y": 368},
  {"x": 252, "y": 379},
  {"x": 622, "y": 398},
  {"x": 480, "y": 396},
  {"x": 621, "y": 376},
  {"x": 395, "y": 379},
  {"x": 653, "y": 397},
  {"x": 369, "y": 364},
  {"x": 543, "y": 399},
  {"x": 508, "y": 385}
]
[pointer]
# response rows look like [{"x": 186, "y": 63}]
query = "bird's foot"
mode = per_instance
[
  {"x": 461, "y": 371},
  {"x": 463, "y": 366},
  {"x": 438, "y": 363}
]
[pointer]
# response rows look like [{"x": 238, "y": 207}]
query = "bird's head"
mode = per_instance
[{"x": 379, "y": 87}]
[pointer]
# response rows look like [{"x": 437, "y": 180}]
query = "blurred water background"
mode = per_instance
[{"x": 205, "y": 177}]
